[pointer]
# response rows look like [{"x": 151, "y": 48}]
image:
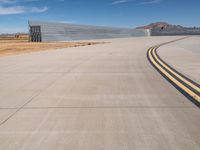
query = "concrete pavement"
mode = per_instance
[
  {"x": 184, "y": 56},
  {"x": 185, "y": 85},
  {"x": 98, "y": 97}
]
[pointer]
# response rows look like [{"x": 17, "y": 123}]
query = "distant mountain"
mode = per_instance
[
  {"x": 164, "y": 28},
  {"x": 161, "y": 25}
]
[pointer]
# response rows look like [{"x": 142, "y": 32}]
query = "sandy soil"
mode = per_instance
[{"x": 10, "y": 47}]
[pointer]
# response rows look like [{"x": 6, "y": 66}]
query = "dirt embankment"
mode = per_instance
[{"x": 11, "y": 47}]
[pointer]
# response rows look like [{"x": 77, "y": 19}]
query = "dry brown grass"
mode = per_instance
[{"x": 11, "y": 47}]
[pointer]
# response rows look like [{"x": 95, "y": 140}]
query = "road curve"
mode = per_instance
[
  {"x": 100, "y": 97},
  {"x": 185, "y": 85}
]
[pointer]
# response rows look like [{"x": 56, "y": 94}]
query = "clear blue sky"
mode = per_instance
[{"x": 14, "y": 14}]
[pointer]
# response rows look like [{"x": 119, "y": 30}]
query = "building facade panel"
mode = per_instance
[{"x": 48, "y": 31}]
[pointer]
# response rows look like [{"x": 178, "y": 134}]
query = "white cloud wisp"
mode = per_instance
[
  {"x": 21, "y": 9},
  {"x": 116, "y": 2},
  {"x": 150, "y": 2}
]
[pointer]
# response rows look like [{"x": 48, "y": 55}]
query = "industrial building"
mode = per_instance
[
  {"x": 174, "y": 30},
  {"x": 40, "y": 31}
]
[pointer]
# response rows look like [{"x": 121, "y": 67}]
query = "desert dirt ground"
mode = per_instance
[{"x": 11, "y": 47}]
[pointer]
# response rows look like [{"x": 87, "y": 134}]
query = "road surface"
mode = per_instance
[
  {"x": 99, "y": 97},
  {"x": 185, "y": 85}
]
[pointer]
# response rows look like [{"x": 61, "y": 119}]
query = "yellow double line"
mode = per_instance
[{"x": 189, "y": 87}]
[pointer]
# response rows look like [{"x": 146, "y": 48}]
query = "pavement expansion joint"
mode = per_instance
[{"x": 98, "y": 107}]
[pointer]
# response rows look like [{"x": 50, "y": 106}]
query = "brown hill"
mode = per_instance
[
  {"x": 159, "y": 25},
  {"x": 164, "y": 28}
]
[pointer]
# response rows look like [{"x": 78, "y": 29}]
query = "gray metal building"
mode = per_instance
[
  {"x": 49, "y": 31},
  {"x": 175, "y": 31}
]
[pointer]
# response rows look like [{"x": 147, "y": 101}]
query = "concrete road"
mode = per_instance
[
  {"x": 184, "y": 55},
  {"x": 99, "y": 97}
]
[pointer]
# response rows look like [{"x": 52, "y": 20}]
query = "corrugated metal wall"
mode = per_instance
[
  {"x": 175, "y": 31},
  {"x": 66, "y": 32}
]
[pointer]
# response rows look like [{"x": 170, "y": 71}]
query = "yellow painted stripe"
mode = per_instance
[
  {"x": 174, "y": 73},
  {"x": 191, "y": 93}
]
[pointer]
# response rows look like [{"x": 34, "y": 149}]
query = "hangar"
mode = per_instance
[{"x": 40, "y": 31}]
